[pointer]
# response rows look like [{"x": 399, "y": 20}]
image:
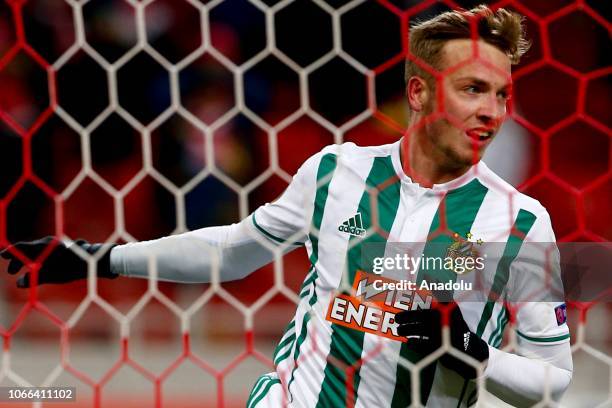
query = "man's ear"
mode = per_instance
[{"x": 417, "y": 93}]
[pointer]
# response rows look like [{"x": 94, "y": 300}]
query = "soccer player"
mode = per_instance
[{"x": 431, "y": 188}]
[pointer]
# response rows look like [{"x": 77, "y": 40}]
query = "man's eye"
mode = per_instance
[
  {"x": 471, "y": 89},
  {"x": 504, "y": 95}
]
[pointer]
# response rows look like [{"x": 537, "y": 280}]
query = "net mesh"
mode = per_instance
[{"x": 130, "y": 120}]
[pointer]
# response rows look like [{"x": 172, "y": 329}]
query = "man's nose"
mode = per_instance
[{"x": 491, "y": 110}]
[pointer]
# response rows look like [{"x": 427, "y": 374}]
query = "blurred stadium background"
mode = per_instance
[{"x": 129, "y": 120}]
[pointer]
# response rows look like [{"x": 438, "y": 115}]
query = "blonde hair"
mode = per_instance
[{"x": 501, "y": 28}]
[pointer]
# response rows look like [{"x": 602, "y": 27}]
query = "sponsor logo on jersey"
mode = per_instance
[
  {"x": 463, "y": 248},
  {"x": 372, "y": 310},
  {"x": 561, "y": 314},
  {"x": 353, "y": 226}
]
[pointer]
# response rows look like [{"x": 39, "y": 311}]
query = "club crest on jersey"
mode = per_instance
[
  {"x": 353, "y": 226},
  {"x": 463, "y": 248}
]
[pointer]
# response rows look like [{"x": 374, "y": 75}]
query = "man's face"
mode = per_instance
[{"x": 475, "y": 97}]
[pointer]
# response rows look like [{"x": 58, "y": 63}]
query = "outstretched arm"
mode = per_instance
[
  {"x": 236, "y": 250},
  {"x": 191, "y": 257}
]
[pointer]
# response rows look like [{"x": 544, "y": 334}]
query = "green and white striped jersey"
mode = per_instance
[{"x": 346, "y": 197}]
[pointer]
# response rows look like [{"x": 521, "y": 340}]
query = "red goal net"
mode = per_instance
[{"x": 126, "y": 120}]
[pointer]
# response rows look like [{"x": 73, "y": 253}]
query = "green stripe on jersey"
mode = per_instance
[
  {"x": 497, "y": 334},
  {"x": 456, "y": 214},
  {"x": 286, "y": 343},
  {"x": 544, "y": 339},
  {"x": 324, "y": 176},
  {"x": 497, "y": 342},
  {"x": 256, "y": 388},
  {"x": 260, "y": 394},
  {"x": 279, "y": 358},
  {"x": 523, "y": 223},
  {"x": 310, "y": 278},
  {"x": 344, "y": 359},
  {"x": 271, "y": 236}
]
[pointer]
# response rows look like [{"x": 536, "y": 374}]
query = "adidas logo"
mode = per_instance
[
  {"x": 466, "y": 340},
  {"x": 353, "y": 226}
]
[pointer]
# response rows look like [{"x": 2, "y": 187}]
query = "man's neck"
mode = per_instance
[{"x": 422, "y": 165}]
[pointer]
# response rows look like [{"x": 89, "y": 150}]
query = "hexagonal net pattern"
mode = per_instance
[{"x": 130, "y": 120}]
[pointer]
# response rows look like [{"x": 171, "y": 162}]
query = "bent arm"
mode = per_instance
[
  {"x": 543, "y": 360},
  {"x": 191, "y": 257},
  {"x": 521, "y": 380}
]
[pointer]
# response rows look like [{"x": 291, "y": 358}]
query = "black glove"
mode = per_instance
[
  {"x": 62, "y": 265},
  {"x": 424, "y": 329}
]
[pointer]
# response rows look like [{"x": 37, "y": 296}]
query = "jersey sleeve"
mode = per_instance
[
  {"x": 287, "y": 220},
  {"x": 523, "y": 379},
  {"x": 536, "y": 289},
  {"x": 234, "y": 251}
]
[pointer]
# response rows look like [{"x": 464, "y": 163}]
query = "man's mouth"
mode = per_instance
[{"x": 480, "y": 135}]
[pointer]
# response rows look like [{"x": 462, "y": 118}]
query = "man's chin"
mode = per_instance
[
  {"x": 464, "y": 159},
  {"x": 471, "y": 156}
]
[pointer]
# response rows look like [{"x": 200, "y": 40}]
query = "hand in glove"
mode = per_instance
[
  {"x": 424, "y": 329},
  {"x": 62, "y": 265}
]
